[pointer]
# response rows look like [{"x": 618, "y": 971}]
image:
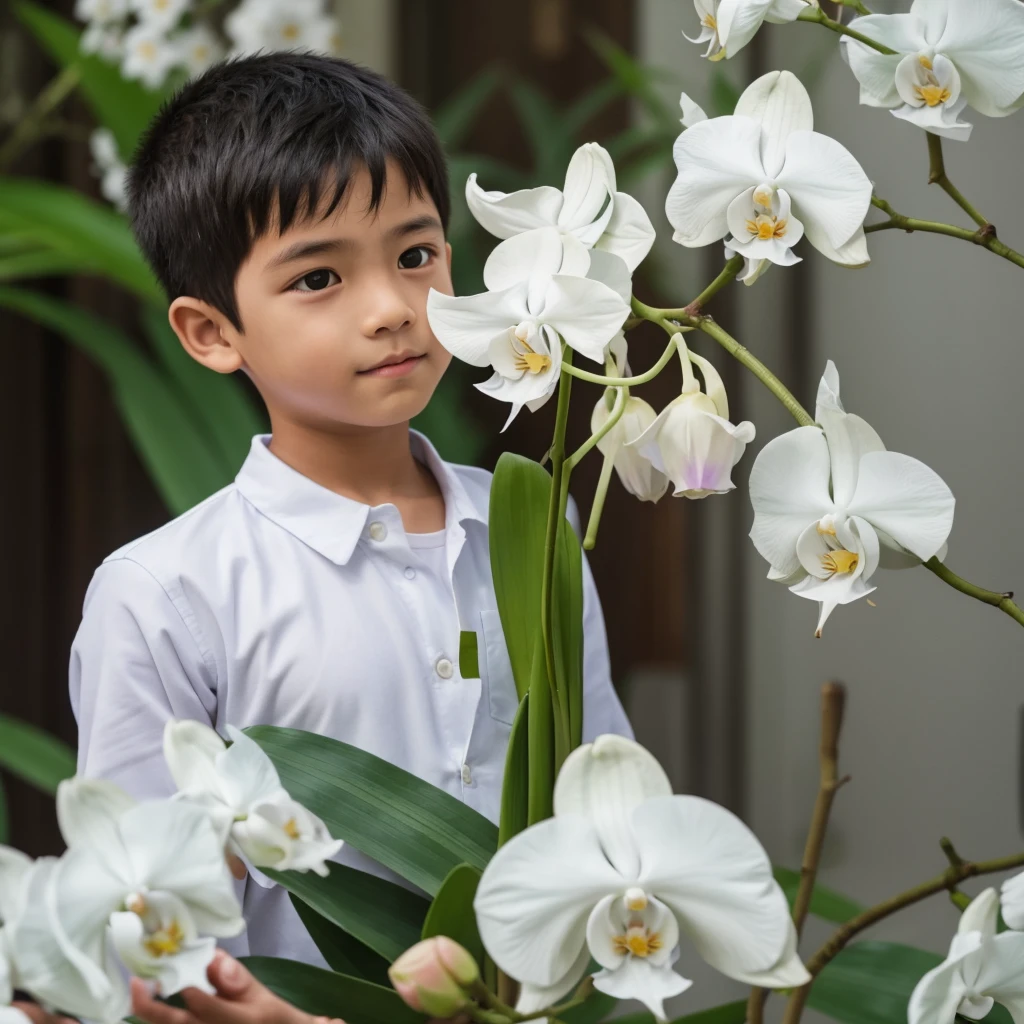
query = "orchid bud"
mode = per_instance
[
  {"x": 432, "y": 976},
  {"x": 634, "y": 469}
]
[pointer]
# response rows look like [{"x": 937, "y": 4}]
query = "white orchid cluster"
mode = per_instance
[
  {"x": 150, "y": 39},
  {"x": 145, "y": 887},
  {"x": 622, "y": 871},
  {"x": 943, "y": 55}
]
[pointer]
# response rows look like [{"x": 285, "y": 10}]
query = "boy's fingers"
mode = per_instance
[
  {"x": 240, "y": 998},
  {"x": 229, "y": 977},
  {"x": 152, "y": 1010},
  {"x": 38, "y": 1015},
  {"x": 236, "y": 865}
]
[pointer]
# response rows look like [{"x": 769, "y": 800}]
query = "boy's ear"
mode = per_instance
[
  {"x": 448, "y": 251},
  {"x": 204, "y": 333}
]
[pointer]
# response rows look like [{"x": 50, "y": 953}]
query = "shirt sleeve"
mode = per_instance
[
  {"x": 602, "y": 709},
  {"x": 134, "y": 665}
]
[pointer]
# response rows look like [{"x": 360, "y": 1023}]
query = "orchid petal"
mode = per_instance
[
  {"x": 538, "y": 997},
  {"x": 536, "y": 894},
  {"x": 937, "y": 995},
  {"x": 629, "y": 233},
  {"x": 874, "y": 71},
  {"x": 714, "y": 875},
  {"x": 14, "y": 870},
  {"x": 1000, "y": 975},
  {"x": 88, "y": 811},
  {"x": 985, "y": 41},
  {"x": 830, "y": 191},
  {"x": 602, "y": 927},
  {"x": 191, "y": 750},
  {"x": 717, "y": 160},
  {"x": 639, "y": 979},
  {"x": 981, "y": 914},
  {"x": 906, "y": 499},
  {"x": 604, "y": 781},
  {"x": 612, "y": 271},
  {"x": 247, "y": 774},
  {"x": 692, "y": 112},
  {"x": 508, "y": 214},
  {"x": 788, "y": 489},
  {"x": 534, "y": 254},
  {"x": 738, "y": 22},
  {"x": 585, "y": 313},
  {"x": 788, "y": 972},
  {"x": 849, "y": 438},
  {"x": 589, "y": 185},
  {"x": 939, "y": 120},
  {"x": 173, "y": 846},
  {"x": 466, "y": 325},
  {"x": 780, "y": 103},
  {"x": 714, "y": 388},
  {"x": 782, "y": 12},
  {"x": 1012, "y": 893}
]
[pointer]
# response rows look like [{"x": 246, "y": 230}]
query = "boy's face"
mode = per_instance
[{"x": 334, "y": 311}]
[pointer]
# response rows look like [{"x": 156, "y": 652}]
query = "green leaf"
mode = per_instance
[
  {"x": 453, "y": 119},
  {"x": 39, "y": 263},
  {"x": 95, "y": 237},
  {"x": 516, "y": 779},
  {"x": 345, "y": 954},
  {"x": 123, "y": 106},
  {"x": 517, "y": 523},
  {"x": 325, "y": 994},
  {"x": 469, "y": 657},
  {"x": 596, "y": 1008},
  {"x": 34, "y": 755},
  {"x": 217, "y": 401},
  {"x": 382, "y": 915},
  {"x": 727, "y": 1013},
  {"x": 176, "y": 452},
  {"x": 391, "y": 815},
  {"x": 871, "y": 983},
  {"x": 540, "y": 743},
  {"x": 578, "y": 115},
  {"x": 825, "y": 903},
  {"x": 452, "y": 912}
]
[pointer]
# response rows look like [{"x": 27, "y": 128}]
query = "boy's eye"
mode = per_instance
[
  {"x": 315, "y": 281},
  {"x": 414, "y": 258}
]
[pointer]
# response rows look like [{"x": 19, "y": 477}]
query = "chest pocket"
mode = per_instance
[{"x": 496, "y": 669}]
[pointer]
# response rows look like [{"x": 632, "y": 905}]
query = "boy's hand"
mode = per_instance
[
  {"x": 236, "y": 865},
  {"x": 38, "y": 1015}
]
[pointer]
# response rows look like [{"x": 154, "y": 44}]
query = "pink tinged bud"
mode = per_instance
[{"x": 432, "y": 975}]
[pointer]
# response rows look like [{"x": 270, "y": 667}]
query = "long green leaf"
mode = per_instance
[
  {"x": 175, "y": 451},
  {"x": 456, "y": 115},
  {"x": 123, "y": 106},
  {"x": 516, "y": 779},
  {"x": 78, "y": 228},
  {"x": 825, "y": 903},
  {"x": 219, "y": 404},
  {"x": 871, "y": 983},
  {"x": 540, "y": 743},
  {"x": 345, "y": 954},
  {"x": 325, "y": 994},
  {"x": 452, "y": 912},
  {"x": 40, "y": 263},
  {"x": 389, "y": 814},
  {"x": 34, "y": 755},
  {"x": 381, "y": 915}
]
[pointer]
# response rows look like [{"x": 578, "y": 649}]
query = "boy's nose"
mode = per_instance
[{"x": 387, "y": 311}]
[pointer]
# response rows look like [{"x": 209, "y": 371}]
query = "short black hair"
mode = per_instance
[{"x": 251, "y": 139}]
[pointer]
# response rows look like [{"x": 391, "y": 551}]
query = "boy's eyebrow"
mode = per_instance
[{"x": 301, "y": 250}]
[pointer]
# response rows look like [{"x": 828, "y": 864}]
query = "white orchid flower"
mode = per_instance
[
  {"x": 1012, "y": 896},
  {"x": 147, "y": 879},
  {"x": 764, "y": 175},
  {"x": 587, "y": 213},
  {"x": 159, "y": 14},
  {"x": 617, "y": 874},
  {"x": 831, "y": 505},
  {"x": 691, "y": 440},
  {"x": 15, "y": 868},
  {"x": 981, "y": 969},
  {"x": 240, "y": 788},
  {"x": 147, "y": 54},
  {"x": 516, "y": 331},
  {"x": 949, "y": 54},
  {"x": 728, "y": 25}
]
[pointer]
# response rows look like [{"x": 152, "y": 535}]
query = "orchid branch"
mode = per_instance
[
  {"x": 618, "y": 409},
  {"x": 816, "y": 14},
  {"x": 1004, "y": 602},
  {"x": 937, "y": 176},
  {"x": 628, "y": 382},
  {"x": 985, "y": 237},
  {"x": 855, "y": 4}
]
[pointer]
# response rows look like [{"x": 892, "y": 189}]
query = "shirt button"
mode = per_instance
[
  {"x": 410, "y": 572},
  {"x": 467, "y": 775},
  {"x": 444, "y": 668},
  {"x": 378, "y": 531}
]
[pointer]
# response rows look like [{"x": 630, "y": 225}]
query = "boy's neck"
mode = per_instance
[{"x": 372, "y": 465}]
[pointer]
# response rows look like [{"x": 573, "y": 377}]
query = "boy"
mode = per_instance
[{"x": 294, "y": 208}]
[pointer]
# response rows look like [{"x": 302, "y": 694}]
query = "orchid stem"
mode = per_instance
[
  {"x": 855, "y": 4},
  {"x": 627, "y": 382},
  {"x": 816, "y": 14},
  {"x": 833, "y": 699},
  {"x": 618, "y": 409},
  {"x": 937, "y": 176},
  {"x": 33, "y": 125},
  {"x": 1004, "y": 602},
  {"x": 983, "y": 236},
  {"x": 597, "y": 508}
]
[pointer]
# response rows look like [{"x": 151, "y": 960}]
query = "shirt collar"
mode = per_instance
[{"x": 330, "y": 523}]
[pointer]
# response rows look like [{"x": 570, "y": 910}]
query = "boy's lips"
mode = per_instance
[{"x": 397, "y": 366}]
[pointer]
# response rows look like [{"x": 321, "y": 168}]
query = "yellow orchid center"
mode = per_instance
[
  {"x": 147, "y": 50},
  {"x": 841, "y": 561},
  {"x": 763, "y": 197},
  {"x": 827, "y": 528},
  {"x": 765, "y": 226},
  {"x": 291, "y": 830},
  {"x": 638, "y": 940},
  {"x": 636, "y": 899},
  {"x": 527, "y": 358},
  {"x": 708, "y": 21},
  {"x": 165, "y": 942},
  {"x": 290, "y": 31},
  {"x": 136, "y": 904},
  {"x": 925, "y": 61},
  {"x": 933, "y": 95}
]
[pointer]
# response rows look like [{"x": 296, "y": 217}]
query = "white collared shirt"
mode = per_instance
[{"x": 277, "y": 601}]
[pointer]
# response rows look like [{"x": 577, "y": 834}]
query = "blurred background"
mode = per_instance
[{"x": 109, "y": 429}]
